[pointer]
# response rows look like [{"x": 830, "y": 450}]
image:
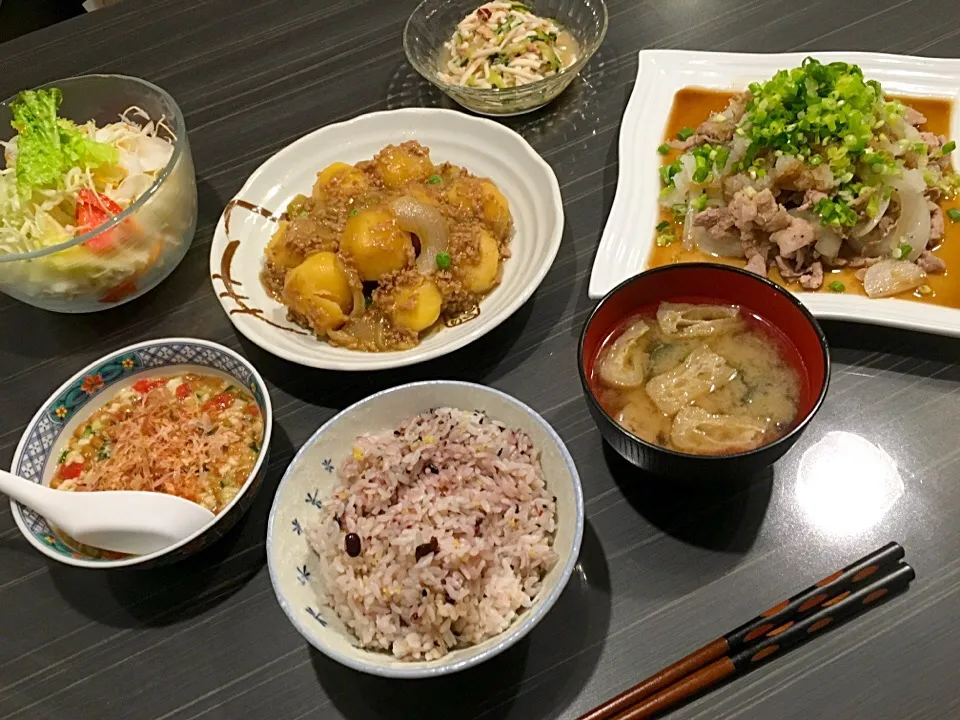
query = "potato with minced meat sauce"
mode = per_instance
[{"x": 387, "y": 250}]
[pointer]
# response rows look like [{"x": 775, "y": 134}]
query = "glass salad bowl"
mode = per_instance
[
  {"x": 85, "y": 235},
  {"x": 434, "y": 21}
]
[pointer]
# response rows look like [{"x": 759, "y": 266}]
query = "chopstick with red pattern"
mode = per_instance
[{"x": 793, "y": 619}]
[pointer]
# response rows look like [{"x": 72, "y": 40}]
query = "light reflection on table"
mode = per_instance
[{"x": 846, "y": 484}]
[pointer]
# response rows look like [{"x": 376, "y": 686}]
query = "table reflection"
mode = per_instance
[{"x": 846, "y": 484}]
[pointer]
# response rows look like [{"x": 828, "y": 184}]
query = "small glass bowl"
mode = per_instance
[
  {"x": 434, "y": 21},
  {"x": 156, "y": 230}
]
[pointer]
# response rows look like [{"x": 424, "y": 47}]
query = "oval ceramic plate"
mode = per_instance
[{"x": 483, "y": 147}]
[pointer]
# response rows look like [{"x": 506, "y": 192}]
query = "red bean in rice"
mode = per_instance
[{"x": 456, "y": 530}]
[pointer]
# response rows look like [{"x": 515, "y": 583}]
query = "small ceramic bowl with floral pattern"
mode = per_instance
[{"x": 47, "y": 434}]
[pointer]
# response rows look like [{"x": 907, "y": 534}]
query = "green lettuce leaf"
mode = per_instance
[
  {"x": 48, "y": 147},
  {"x": 39, "y": 158}
]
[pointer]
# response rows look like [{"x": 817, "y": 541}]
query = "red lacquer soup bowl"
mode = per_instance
[{"x": 801, "y": 340}]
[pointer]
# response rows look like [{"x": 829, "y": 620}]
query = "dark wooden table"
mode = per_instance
[{"x": 662, "y": 570}]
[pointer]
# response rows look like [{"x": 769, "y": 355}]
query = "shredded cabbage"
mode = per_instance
[{"x": 51, "y": 159}]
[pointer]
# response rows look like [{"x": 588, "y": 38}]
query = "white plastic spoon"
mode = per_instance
[{"x": 125, "y": 521}]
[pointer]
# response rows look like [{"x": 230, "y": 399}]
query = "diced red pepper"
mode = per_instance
[
  {"x": 71, "y": 470},
  {"x": 145, "y": 386},
  {"x": 252, "y": 408},
  {"x": 183, "y": 391},
  {"x": 218, "y": 402},
  {"x": 93, "y": 210}
]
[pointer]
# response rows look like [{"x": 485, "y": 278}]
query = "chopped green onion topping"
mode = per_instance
[
  {"x": 721, "y": 158},
  {"x": 837, "y": 286},
  {"x": 63, "y": 457},
  {"x": 948, "y": 147},
  {"x": 443, "y": 260},
  {"x": 953, "y": 214},
  {"x": 664, "y": 239},
  {"x": 663, "y": 225},
  {"x": 835, "y": 212},
  {"x": 663, "y": 149},
  {"x": 903, "y": 251},
  {"x": 88, "y": 430},
  {"x": 434, "y": 179},
  {"x": 253, "y": 446},
  {"x": 354, "y": 212},
  {"x": 699, "y": 203},
  {"x": 685, "y": 133}
]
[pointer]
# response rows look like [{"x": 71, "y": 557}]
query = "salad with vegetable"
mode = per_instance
[
  {"x": 503, "y": 45},
  {"x": 814, "y": 169},
  {"x": 62, "y": 179}
]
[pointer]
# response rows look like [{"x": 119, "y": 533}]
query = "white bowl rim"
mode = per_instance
[
  {"x": 140, "y": 559},
  {"x": 509, "y": 637},
  {"x": 402, "y": 358}
]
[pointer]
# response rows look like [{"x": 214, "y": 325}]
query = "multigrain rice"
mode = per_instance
[{"x": 456, "y": 528}]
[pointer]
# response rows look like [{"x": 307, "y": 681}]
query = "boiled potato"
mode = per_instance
[
  {"x": 496, "y": 209},
  {"x": 279, "y": 253},
  {"x": 340, "y": 177},
  {"x": 318, "y": 289},
  {"x": 482, "y": 199},
  {"x": 398, "y": 165},
  {"x": 482, "y": 276},
  {"x": 416, "y": 307},
  {"x": 376, "y": 244}
]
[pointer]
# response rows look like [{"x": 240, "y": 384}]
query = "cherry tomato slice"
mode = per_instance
[
  {"x": 145, "y": 386},
  {"x": 183, "y": 391},
  {"x": 218, "y": 402},
  {"x": 93, "y": 210},
  {"x": 71, "y": 470}
]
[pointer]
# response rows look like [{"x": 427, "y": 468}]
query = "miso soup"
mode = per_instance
[{"x": 699, "y": 378}]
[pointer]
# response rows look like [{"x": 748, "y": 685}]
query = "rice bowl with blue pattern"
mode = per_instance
[{"x": 425, "y": 529}]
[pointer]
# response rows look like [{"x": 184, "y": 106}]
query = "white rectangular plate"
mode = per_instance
[{"x": 628, "y": 235}]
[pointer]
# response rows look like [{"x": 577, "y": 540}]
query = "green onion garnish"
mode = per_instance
[
  {"x": 948, "y": 147},
  {"x": 663, "y": 225},
  {"x": 434, "y": 179},
  {"x": 953, "y": 214},
  {"x": 354, "y": 212},
  {"x": 62, "y": 458},
  {"x": 684, "y": 134},
  {"x": 663, "y": 149},
  {"x": 443, "y": 260},
  {"x": 700, "y": 203},
  {"x": 903, "y": 251},
  {"x": 837, "y": 286}
]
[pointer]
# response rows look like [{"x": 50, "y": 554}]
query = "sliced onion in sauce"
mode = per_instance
[
  {"x": 688, "y": 228},
  {"x": 913, "y": 227},
  {"x": 861, "y": 230},
  {"x": 724, "y": 247},
  {"x": 426, "y": 222},
  {"x": 356, "y": 289},
  {"x": 892, "y": 277}
]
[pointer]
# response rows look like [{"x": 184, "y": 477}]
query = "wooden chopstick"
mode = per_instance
[
  {"x": 778, "y": 619},
  {"x": 845, "y": 606}
]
